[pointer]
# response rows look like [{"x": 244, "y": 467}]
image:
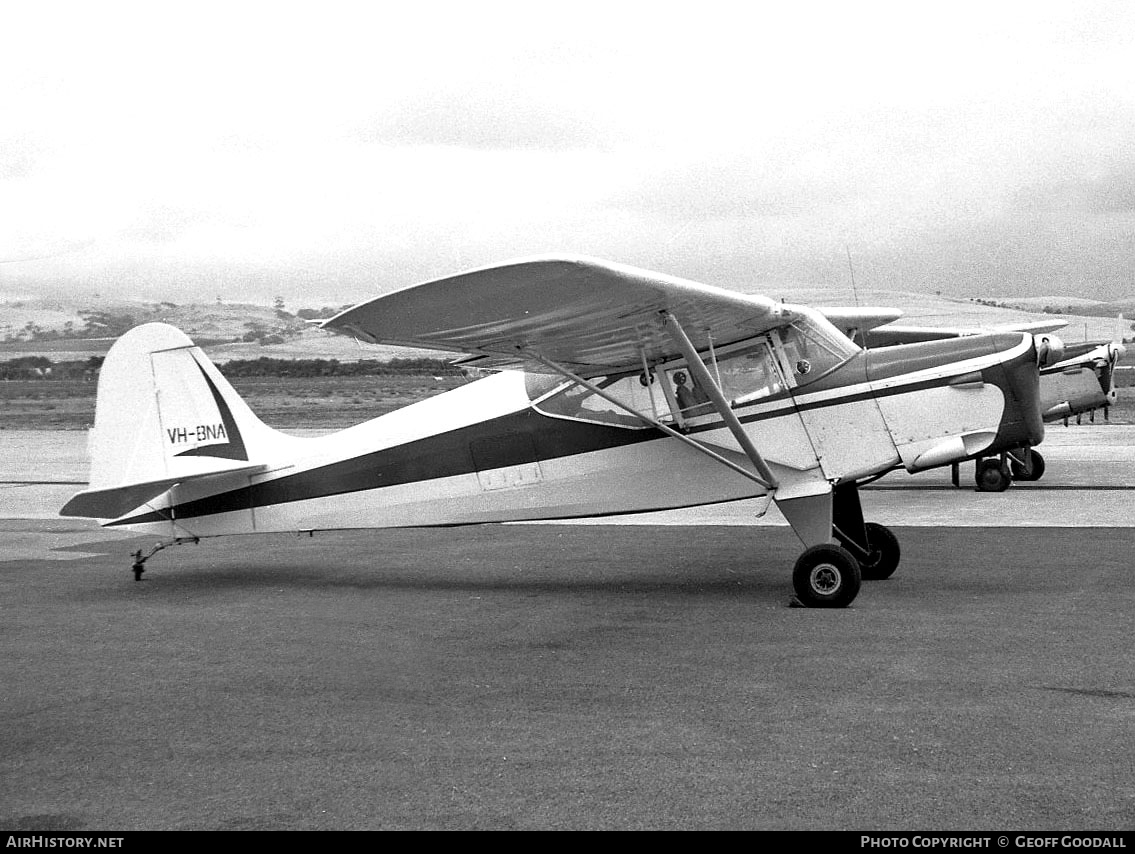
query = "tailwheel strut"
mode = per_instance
[{"x": 140, "y": 559}]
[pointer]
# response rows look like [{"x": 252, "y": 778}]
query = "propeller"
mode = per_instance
[{"x": 1105, "y": 367}]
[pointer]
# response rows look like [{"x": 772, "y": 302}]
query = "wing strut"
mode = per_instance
[
  {"x": 594, "y": 389},
  {"x": 713, "y": 390}
]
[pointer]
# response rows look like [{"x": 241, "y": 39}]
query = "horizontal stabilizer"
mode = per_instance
[{"x": 115, "y": 501}]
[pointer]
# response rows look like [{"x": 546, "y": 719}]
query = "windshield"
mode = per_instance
[{"x": 809, "y": 352}]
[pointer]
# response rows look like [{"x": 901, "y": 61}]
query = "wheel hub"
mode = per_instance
[{"x": 825, "y": 578}]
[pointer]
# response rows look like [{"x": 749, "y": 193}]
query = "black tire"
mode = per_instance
[
  {"x": 992, "y": 476},
  {"x": 1033, "y": 471},
  {"x": 885, "y": 553},
  {"x": 826, "y": 576}
]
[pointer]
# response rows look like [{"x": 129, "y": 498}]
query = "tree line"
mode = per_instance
[
  {"x": 42, "y": 368},
  {"x": 268, "y": 367}
]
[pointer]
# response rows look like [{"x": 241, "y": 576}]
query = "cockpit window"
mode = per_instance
[
  {"x": 749, "y": 373},
  {"x": 766, "y": 365}
]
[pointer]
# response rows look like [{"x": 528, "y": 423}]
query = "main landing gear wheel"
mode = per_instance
[
  {"x": 1030, "y": 470},
  {"x": 826, "y": 576},
  {"x": 992, "y": 475},
  {"x": 884, "y": 553}
]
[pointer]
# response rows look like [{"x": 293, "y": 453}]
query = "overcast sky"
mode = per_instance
[{"x": 329, "y": 152}]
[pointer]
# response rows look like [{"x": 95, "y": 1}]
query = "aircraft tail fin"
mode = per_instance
[{"x": 165, "y": 414}]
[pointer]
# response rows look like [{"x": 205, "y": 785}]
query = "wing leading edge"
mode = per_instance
[{"x": 590, "y": 315}]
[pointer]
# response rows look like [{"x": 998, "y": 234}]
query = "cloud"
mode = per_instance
[
  {"x": 501, "y": 117},
  {"x": 1104, "y": 195},
  {"x": 364, "y": 147},
  {"x": 730, "y": 187}
]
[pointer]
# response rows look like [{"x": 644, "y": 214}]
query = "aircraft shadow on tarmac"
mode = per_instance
[
  {"x": 621, "y": 562},
  {"x": 609, "y": 561}
]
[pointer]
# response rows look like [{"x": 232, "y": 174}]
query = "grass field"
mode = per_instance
[
  {"x": 289, "y": 403},
  {"x": 281, "y": 402}
]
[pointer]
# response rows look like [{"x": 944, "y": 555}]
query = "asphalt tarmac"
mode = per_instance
[{"x": 588, "y": 676}]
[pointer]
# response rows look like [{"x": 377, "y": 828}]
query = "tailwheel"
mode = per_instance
[
  {"x": 826, "y": 576},
  {"x": 139, "y": 565},
  {"x": 883, "y": 553},
  {"x": 992, "y": 475},
  {"x": 1030, "y": 469}
]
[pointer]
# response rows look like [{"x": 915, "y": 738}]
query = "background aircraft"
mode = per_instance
[
  {"x": 1077, "y": 379},
  {"x": 582, "y": 418}
]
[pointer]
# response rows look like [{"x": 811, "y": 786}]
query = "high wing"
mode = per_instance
[{"x": 594, "y": 317}]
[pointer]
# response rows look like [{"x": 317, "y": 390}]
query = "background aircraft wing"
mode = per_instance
[
  {"x": 849, "y": 320},
  {"x": 594, "y": 317},
  {"x": 887, "y": 336}
]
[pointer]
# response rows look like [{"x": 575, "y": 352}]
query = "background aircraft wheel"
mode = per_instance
[
  {"x": 992, "y": 476},
  {"x": 826, "y": 576},
  {"x": 1032, "y": 471},
  {"x": 885, "y": 553}
]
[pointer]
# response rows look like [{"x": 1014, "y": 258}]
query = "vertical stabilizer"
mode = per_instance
[{"x": 165, "y": 414}]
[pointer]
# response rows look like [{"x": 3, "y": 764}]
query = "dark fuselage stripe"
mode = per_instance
[
  {"x": 442, "y": 455},
  {"x": 449, "y": 455}
]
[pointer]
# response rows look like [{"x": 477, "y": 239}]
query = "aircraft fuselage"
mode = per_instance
[{"x": 496, "y": 450}]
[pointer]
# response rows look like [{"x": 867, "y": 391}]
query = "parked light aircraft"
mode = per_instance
[
  {"x": 583, "y": 416},
  {"x": 1077, "y": 378}
]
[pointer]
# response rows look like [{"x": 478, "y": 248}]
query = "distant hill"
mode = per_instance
[
  {"x": 940, "y": 311},
  {"x": 1073, "y": 306},
  {"x": 58, "y": 329},
  {"x": 221, "y": 327},
  {"x": 1039, "y": 303}
]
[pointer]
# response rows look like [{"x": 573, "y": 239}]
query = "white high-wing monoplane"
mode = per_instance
[{"x": 616, "y": 390}]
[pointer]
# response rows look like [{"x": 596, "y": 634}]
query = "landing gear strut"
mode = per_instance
[
  {"x": 871, "y": 544},
  {"x": 829, "y": 575},
  {"x": 140, "y": 559}
]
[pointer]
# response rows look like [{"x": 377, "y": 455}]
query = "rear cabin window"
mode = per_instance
[{"x": 575, "y": 401}]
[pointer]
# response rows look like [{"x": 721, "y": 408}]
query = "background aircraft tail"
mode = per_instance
[{"x": 164, "y": 414}]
